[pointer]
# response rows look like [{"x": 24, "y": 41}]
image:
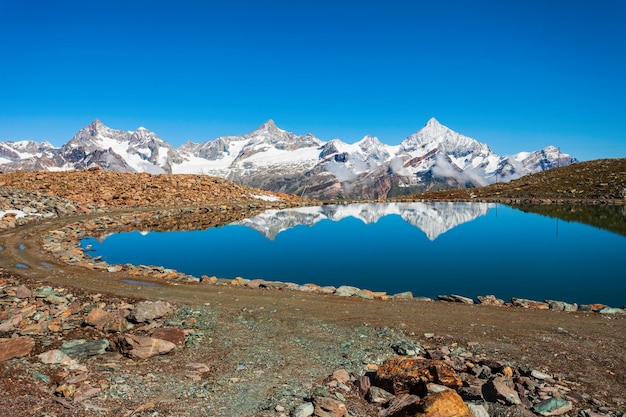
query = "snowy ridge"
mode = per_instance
[
  {"x": 433, "y": 219},
  {"x": 435, "y": 157}
]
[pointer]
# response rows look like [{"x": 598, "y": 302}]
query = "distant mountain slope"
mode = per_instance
[
  {"x": 433, "y": 158},
  {"x": 602, "y": 179}
]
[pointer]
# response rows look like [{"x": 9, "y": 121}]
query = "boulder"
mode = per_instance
[
  {"x": 500, "y": 389},
  {"x": 346, "y": 291},
  {"x": 146, "y": 311},
  {"x": 402, "y": 375},
  {"x": 443, "y": 404}
]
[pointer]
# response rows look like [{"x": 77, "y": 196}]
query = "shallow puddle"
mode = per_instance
[{"x": 22, "y": 266}]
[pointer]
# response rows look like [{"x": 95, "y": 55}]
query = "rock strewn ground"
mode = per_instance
[
  {"x": 599, "y": 181},
  {"x": 106, "y": 189},
  {"x": 73, "y": 353}
]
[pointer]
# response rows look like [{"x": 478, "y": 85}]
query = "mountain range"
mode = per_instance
[{"x": 433, "y": 158}]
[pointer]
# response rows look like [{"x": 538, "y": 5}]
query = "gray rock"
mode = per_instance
[
  {"x": 303, "y": 410},
  {"x": 407, "y": 295},
  {"x": 612, "y": 310},
  {"x": 146, "y": 311},
  {"x": 379, "y": 396},
  {"x": 81, "y": 348},
  {"x": 407, "y": 349},
  {"x": 346, "y": 291},
  {"x": 477, "y": 410},
  {"x": 540, "y": 375},
  {"x": 561, "y": 306},
  {"x": 453, "y": 298}
]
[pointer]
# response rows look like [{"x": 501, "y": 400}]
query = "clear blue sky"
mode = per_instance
[{"x": 518, "y": 75}]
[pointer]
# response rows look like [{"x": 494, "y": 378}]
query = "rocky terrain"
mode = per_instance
[
  {"x": 595, "y": 182},
  {"x": 77, "y": 337}
]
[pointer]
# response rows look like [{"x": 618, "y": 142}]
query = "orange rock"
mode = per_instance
[
  {"x": 444, "y": 404},
  {"x": 15, "y": 347},
  {"x": 401, "y": 375}
]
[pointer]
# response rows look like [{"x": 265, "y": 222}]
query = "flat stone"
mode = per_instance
[
  {"x": 401, "y": 375},
  {"x": 612, "y": 310},
  {"x": 142, "y": 347},
  {"x": 524, "y": 303},
  {"x": 453, "y": 298},
  {"x": 146, "y": 311},
  {"x": 81, "y": 348},
  {"x": 55, "y": 357},
  {"x": 500, "y": 389},
  {"x": 552, "y": 407},
  {"x": 329, "y": 407},
  {"x": 539, "y": 375},
  {"x": 176, "y": 336},
  {"x": 15, "y": 347},
  {"x": 561, "y": 306}
]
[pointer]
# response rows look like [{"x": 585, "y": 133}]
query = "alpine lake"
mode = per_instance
[{"x": 575, "y": 254}]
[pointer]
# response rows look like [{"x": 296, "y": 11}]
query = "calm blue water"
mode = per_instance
[{"x": 429, "y": 249}]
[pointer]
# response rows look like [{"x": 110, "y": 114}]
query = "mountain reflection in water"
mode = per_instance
[
  {"x": 437, "y": 248},
  {"x": 433, "y": 219}
]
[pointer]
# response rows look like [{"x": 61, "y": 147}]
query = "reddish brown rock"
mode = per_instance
[
  {"x": 15, "y": 347},
  {"x": 500, "y": 389},
  {"x": 329, "y": 407},
  {"x": 403, "y": 405},
  {"x": 402, "y": 375},
  {"x": 97, "y": 318},
  {"x": 490, "y": 300},
  {"x": 176, "y": 336},
  {"x": 142, "y": 347}
]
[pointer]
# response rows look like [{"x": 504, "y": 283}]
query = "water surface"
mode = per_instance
[{"x": 428, "y": 248}]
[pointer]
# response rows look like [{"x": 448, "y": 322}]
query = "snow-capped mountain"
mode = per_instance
[
  {"x": 433, "y": 219},
  {"x": 435, "y": 157}
]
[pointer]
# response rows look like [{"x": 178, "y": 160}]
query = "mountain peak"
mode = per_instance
[
  {"x": 268, "y": 126},
  {"x": 433, "y": 122}
]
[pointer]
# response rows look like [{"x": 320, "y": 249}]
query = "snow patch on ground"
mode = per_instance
[{"x": 266, "y": 197}]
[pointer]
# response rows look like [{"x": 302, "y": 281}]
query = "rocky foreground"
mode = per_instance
[
  {"x": 79, "y": 337},
  {"x": 81, "y": 353}
]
